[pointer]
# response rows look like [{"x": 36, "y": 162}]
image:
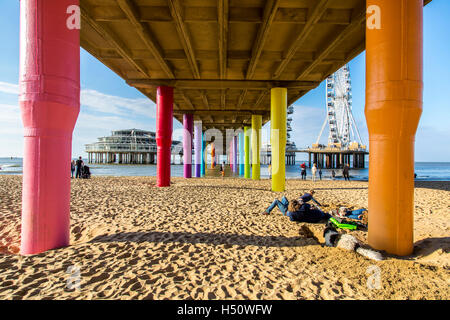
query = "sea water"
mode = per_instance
[{"x": 431, "y": 171}]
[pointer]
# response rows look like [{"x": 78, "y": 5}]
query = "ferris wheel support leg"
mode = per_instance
[
  {"x": 278, "y": 106},
  {"x": 394, "y": 85}
]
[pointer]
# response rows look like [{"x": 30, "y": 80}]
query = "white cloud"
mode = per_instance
[
  {"x": 100, "y": 114},
  {"x": 9, "y": 88},
  {"x": 104, "y": 103}
]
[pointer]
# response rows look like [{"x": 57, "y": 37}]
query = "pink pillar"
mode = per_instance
[
  {"x": 49, "y": 101},
  {"x": 188, "y": 121},
  {"x": 164, "y": 126}
]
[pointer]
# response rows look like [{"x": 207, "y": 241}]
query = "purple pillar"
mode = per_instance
[
  {"x": 198, "y": 148},
  {"x": 187, "y": 144},
  {"x": 235, "y": 155}
]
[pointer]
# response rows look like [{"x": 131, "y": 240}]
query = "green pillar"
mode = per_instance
[{"x": 247, "y": 152}]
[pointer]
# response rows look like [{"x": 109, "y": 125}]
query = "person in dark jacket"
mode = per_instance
[
  {"x": 79, "y": 165},
  {"x": 308, "y": 196},
  {"x": 345, "y": 172},
  {"x": 297, "y": 211}
]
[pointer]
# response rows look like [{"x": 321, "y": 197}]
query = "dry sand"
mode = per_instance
[{"x": 206, "y": 239}]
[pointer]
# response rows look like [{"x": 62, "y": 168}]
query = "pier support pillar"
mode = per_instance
[
  {"x": 187, "y": 145},
  {"x": 256, "y": 146},
  {"x": 213, "y": 155},
  {"x": 394, "y": 85},
  {"x": 247, "y": 133},
  {"x": 241, "y": 154},
  {"x": 235, "y": 154},
  {"x": 164, "y": 126},
  {"x": 203, "y": 160},
  {"x": 198, "y": 147},
  {"x": 278, "y": 108},
  {"x": 49, "y": 101}
]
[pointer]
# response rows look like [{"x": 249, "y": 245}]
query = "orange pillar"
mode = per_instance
[
  {"x": 213, "y": 155},
  {"x": 393, "y": 108}
]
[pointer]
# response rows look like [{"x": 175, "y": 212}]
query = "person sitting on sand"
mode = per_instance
[
  {"x": 308, "y": 196},
  {"x": 297, "y": 211}
]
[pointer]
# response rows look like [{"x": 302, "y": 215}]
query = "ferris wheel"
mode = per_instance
[{"x": 342, "y": 126}]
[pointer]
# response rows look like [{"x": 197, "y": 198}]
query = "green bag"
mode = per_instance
[{"x": 347, "y": 225}]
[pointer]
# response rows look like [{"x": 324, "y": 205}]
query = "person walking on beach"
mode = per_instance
[
  {"x": 313, "y": 172},
  {"x": 269, "y": 169},
  {"x": 333, "y": 174},
  {"x": 320, "y": 173},
  {"x": 72, "y": 168},
  {"x": 79, "y": 165},
  {"x": 345, "y": 172}
]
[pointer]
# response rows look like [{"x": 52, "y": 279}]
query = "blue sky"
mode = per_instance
[{"x": 108, "y": 103}]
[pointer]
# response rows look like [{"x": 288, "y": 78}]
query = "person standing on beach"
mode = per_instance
[
  {"x": 72, "y": 167},
  {"x": 222, "y": 169},
  {"x": 303, "y": 172},
  {"x": 333, "y": 174},
  {"x": 320, "y": 173},
  {"x": 269, "y": 169},
  {"x": 79, "y": 165},
  {"x": 345, "y": 172},
  {"x": 313, "y": 172}
]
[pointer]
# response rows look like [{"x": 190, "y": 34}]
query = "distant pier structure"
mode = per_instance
[
  {"x": 345, "y": 145},
  {"x": 130, "y": 146},
  {"x": 335, "y": 157}
]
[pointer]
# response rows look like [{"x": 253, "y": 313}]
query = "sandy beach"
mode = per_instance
[{"x": 207, "y": 239}]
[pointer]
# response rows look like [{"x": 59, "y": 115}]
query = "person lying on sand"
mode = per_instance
[
  {"x": 297, "y": 211},
  {"x": 343, "y": 212}
]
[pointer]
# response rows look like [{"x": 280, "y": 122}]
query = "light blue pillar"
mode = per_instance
[
  {"x": 241, "y": 154},
  {"x": 203, "y": 156}
]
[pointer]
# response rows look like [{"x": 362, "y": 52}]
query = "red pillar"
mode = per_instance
[
  {"x": 50, "y": 102},
  {"x": 164, "y": 125}
]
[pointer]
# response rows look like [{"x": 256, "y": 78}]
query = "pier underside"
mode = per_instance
[{"x": 222, "y": 57}]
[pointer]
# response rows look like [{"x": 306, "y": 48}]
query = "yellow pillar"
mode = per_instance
[
  {"x": 393, "y": 108},
  {"x": 278, "y": 106},
  {"x": 256, "y": 145}
]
